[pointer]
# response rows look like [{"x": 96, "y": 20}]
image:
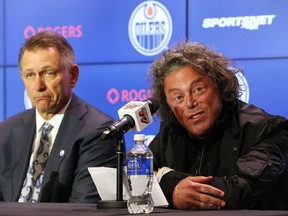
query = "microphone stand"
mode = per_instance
[{"x": 119, "y": 202}]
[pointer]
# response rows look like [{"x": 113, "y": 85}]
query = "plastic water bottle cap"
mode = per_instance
[{"x": 139, "y": 137}]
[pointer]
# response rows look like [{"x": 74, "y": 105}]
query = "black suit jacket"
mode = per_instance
[{"x": 76, "y": 147}]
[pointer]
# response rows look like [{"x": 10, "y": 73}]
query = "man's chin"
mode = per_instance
[
  {"x": 43, "y": 109},
  {"x": 198, "y": 133}
]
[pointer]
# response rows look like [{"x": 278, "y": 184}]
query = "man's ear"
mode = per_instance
[{"x": 74, "y": 74}]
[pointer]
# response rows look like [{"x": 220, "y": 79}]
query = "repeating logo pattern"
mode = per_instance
[{"x": 32, "y": 184}]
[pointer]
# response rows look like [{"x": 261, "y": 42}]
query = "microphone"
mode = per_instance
[{"x": 135, "y": 115}]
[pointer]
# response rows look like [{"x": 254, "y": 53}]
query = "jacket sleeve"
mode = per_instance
[
  {"x": 168, "y": 183},
  {"x": 93, "y": 152},
  {"x": 155, "y": 148},
  {"x": 170, "y": 179},
  {"x": 259, "y": 168}
]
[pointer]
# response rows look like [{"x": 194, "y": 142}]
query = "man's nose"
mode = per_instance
[
  {"x": 39, "y": 83},
  {"x": 191, "y": 103}
]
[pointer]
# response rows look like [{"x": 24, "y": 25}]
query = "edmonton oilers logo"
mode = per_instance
[
  {"x": 150, "y": 28},
  {"x": 244, "y": 88}
]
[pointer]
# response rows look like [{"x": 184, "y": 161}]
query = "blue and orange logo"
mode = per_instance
[{"x": 150, "y": 28}]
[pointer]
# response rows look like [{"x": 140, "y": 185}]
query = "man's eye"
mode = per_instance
[
  {"x": 49, "y": 74},
  {"x": 178, "y": 99},
  {"x": 198, "y": 90},
  {"x": 30, "y": 75}
]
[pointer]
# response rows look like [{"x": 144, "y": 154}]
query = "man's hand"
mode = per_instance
[{"x": 194, "y": 193}]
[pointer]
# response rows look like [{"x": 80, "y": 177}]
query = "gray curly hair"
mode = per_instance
[{"x": 203, "y": 60}]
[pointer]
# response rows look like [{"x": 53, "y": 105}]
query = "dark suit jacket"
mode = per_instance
[{"x": 78, "y": 138}]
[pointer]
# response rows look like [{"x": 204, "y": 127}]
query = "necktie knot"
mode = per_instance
[{"x": 46, "y": 128}]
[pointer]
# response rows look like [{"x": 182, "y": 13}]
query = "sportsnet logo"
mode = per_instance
[
  {"x": 244, "y": 22},
  {"x": 150, "y": 28}
]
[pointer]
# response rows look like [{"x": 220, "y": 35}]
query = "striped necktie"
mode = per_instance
[{"x": 32, "y": 184}]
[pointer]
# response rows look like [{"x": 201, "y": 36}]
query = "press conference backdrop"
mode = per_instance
[{"x": 116, "y": 41}]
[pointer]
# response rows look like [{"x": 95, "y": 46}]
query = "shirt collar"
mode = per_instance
[{"x": 55, "y": 120}]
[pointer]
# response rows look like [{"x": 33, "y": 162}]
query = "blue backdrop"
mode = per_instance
[{"x": 116, "y": 41}]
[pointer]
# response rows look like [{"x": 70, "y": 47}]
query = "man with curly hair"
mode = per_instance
[{"x": 214, "y": 151}]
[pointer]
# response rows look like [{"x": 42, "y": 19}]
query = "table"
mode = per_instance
[{"x": 69, "y": 209}]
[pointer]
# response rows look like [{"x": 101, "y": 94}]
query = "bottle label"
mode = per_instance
[{"x": 139, "y": 166}]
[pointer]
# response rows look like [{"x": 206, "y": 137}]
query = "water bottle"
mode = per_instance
[{"x": 140, "y": 176}]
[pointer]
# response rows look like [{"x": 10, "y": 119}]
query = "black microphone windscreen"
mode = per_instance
[{"x": 153, "y": 105}]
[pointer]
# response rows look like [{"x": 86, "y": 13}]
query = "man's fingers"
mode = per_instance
[
  {"x": 205, "y": 189},
  {"x": 192, "y": 193},
  {"x": 210, "y": 202},
  {"x": 200, "y": 179},
  {"x": 209, "y": 206},
  {"x": 204, "y": 201}
]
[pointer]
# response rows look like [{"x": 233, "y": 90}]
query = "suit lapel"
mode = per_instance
[
  {"x": 24, "y": 138},
  {"x": 66, "y": 136}
]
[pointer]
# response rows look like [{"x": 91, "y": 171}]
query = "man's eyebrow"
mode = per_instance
[
  {"x": 41, "y": 70},
  {"x": 199, "y": 79}
]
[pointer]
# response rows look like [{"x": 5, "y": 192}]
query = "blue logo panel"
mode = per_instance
[
  {"x": 150, "y": 28},
  {"x": 14, "y": 92},
  {"x": 97, "y": 30},
  {"x": 1, "y": 34},
  {"x": 1, "y": 94},
  {"x": 111, "y": 86},
  {"x": 267, "y": 84},
  {"x": 242, "y": 29},
  {"x": 115, "y": 42}
]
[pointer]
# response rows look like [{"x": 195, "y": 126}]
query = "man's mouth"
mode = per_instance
[{"x": 195, "y": 116}]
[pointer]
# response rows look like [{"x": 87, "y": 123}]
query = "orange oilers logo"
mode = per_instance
[
  {"x": 144, "y": 116},
  {"x": 150, "y": 28}
]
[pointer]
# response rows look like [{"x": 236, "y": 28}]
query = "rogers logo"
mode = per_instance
[
  {"x": 66, "y": 31},
  {"x": 114, "y": 95}
]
